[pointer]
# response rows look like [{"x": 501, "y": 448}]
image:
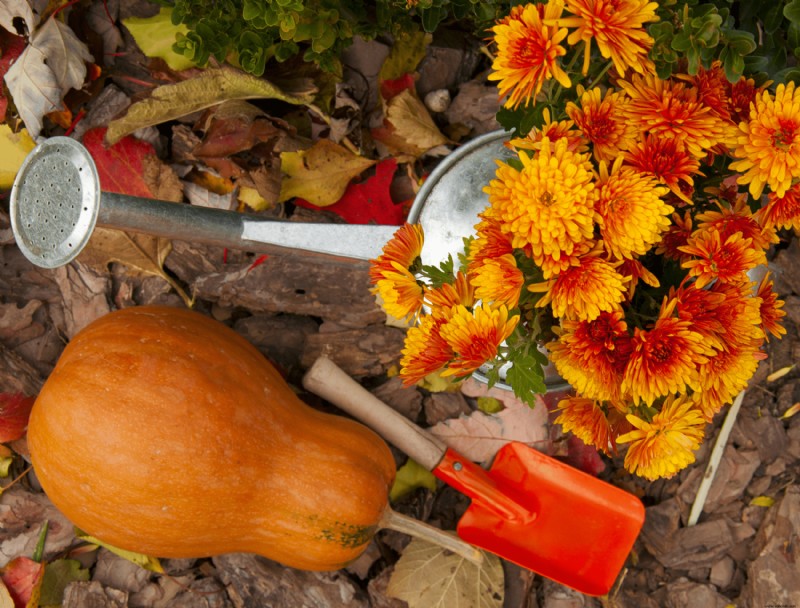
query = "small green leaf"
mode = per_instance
[
  {"x": 792, "y": 11},
  {"x": 741, "y": 43},
  {"x": 411, "y": 476},
  {"x": 57, "y": 575},
  {"x": 526, "y": 378},
  {"x": 490, "y": 405},
  {"x": 38, "y": 551}
]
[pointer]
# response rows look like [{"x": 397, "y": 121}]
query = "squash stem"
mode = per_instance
[{"x": 398, "y": 522}]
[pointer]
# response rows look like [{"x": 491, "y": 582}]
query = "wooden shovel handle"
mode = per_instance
[{"x": 330, "y": 382}]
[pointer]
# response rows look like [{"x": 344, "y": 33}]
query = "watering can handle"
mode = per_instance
[{"x": 327, "y": 380}]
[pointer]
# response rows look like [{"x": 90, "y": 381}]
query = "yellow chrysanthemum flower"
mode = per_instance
[
  {"x": 631, "y": 214},
  {"x": 665, "y": 445},
  {"x": 781, "y": 211},
  {"x": 548, "y": 205},
  {"x": 724, "y": 375},
  {"x": 618, "y": 29},
  {"x": 498, "y": 280},
  {"x": 586, "y": 419},
  {"x": 603, "y": 121},
  {"x": 475, "y": 335},
  {"x": 424, "y": 352},
  {"x": 584, "y": 290},
  {"x": 404, "y": 248},
  {"x": 528, "y": 51},
  {"x": 553, "y": 131},
  {"x": 441, "y": 299},
  {"x": 400, "y": 293},
  {"x": 715, "y": 259},
  {"x": 769, "y": 143},
  {"x": 668, "y": 109}
]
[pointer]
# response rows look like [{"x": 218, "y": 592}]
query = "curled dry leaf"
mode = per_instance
[
  {"x": 208, "y": 88},
  {"x": 427, "y": 576},
  {"x": 28, "y": 11},
  {"x": 22, "y": 578},
  {"x": 409, "y": 129},
  {"x": 14, "y": 413}
]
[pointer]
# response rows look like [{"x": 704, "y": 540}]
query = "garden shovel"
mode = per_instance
[{"x": 529, "y": 509}]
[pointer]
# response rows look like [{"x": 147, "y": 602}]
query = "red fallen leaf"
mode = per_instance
[
  {"x": 23, "y": 579},
  {"x": 370, "y": 201},
  {"x": 120, "y": 166},
  {"x": 14, "y": 413},
  {"x": 10, "y": 48},
  {"x": 390, "y": 88},
  {"x": 584, "y": 457}
]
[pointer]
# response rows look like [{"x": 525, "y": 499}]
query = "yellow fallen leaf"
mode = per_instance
[
  {"x": 762, "y": 501},
  {"x": 251, "y": 198},
  {"x": 320, "y": 174},
  {"x": 791, "y": 411},
  {"x": 139, "y": 252},
  {"x": 155, "y": 36},
  {"x": 145, "y": 561},
  {"x": 779, "y": 373},
  {"x": 209, "y": 88},
  {"x": 413, "y": 123},
  {"x": 14, "y": 147}
]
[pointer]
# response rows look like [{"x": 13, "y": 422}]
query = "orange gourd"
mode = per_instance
[{"x": 164, "y": 432}]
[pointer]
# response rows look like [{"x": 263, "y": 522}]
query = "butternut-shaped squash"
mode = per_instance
[{"x": 164, "y": 432}]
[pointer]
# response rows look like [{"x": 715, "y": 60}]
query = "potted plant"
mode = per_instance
[{"x": 654, "y": 161}]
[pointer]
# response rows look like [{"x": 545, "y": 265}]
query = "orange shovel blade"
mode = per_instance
[{"x": 568, "y": 526}]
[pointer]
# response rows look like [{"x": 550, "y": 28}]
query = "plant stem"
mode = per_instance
[{"x": 393, "y": 520}]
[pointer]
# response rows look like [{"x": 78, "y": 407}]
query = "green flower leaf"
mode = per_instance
[{"x": 411, "y": 476}]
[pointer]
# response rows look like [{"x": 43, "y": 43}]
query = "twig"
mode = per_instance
[{"x": 714, "y": 460}]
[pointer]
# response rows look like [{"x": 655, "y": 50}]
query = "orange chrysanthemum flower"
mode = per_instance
[
  {"x": 631, "y": 214},
  {"x": 586, "y": 419},
  {"x": 664, "y": 359},
  {"x": 584, "y": 290},
  {"x": 736, "y": 217},
  {"x": 441, "y": 299},
  {"x": 768, "y": 145},
  {"x": 667, "y": 160},
  {"x": 617, "y": 26},
  {"x": 781, "y": 211},
  {"x": 490, "y": 241},
  {"x": 591, "y": 355},
  {"x": 424, "y": 352},
  {"x": 712, "y": 89},
  {"x": 528, "y": 51},
  {"x": 770, "y": 309},
  {"x": 403, "y": 249},
  {"x": 700, "y": 308},
  {"x": 675, "y": 237},
  {"x": 548, "y": 205},
  {"x": 563, "y": 129},
  {"x": 603, "y": 121},
  {"x": 636, "y": 271},
  {"x": 740, "y": 95},
  {"x": 715, "y": 259},
  {"x": 665, "y": 445},
  {"x": 498, "y": 280},
  {"x": 724, "y": 375},
  {"x": 400, "y": 292},
  {"x": 739, "y": 313},
  {"x": 669, "y": 110},
  {"x": 475, "y": 335}
]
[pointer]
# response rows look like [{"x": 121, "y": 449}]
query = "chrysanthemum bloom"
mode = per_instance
[
  {"x": 586, "y": 419},
  {"x": 770, "y": 309},
  {"x": 736, "y": 217},
  {"x": 617, "y": 26},
  {"x": 740, "y": 95},
  {"x": 700, "y": 308},
  {"x": 712, "y": 88},
  {"x": 781, "y": 211},
  {"x": 631, "y": 214},
  {"x": 664, "y": 358},
  {"x": 636, "y": 271},
  {"x": 724, "y": 375},
  {"x": 400, "y": 293},
  {"x": 442, "y": 299},
  {"x": 490, "y": 241},
  {"x": 424, "y": 352},
  {"x": 670, "y": 110},
  {"x": 675, "y": 237},
  {"x": 715, "y": 259},
  {"x": 403, "y": 248},
  {"x": 591, "y": 355},
  {"x": 603, "y": 121},
  {"x": 584, "y": 290},
  {"x": 528, "y": 51},
  {"x": 475, "y": 335},
  {"x": 548, "y": 205},
  {"x": 665, "y": 159},
  {"x": 739, "y": 313},
  {"x": 665, "y": 445},
  {"x": 563, "y": 129},
  {"x": 768, "y": 144},
  {"x": 498, "y": 280}
]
